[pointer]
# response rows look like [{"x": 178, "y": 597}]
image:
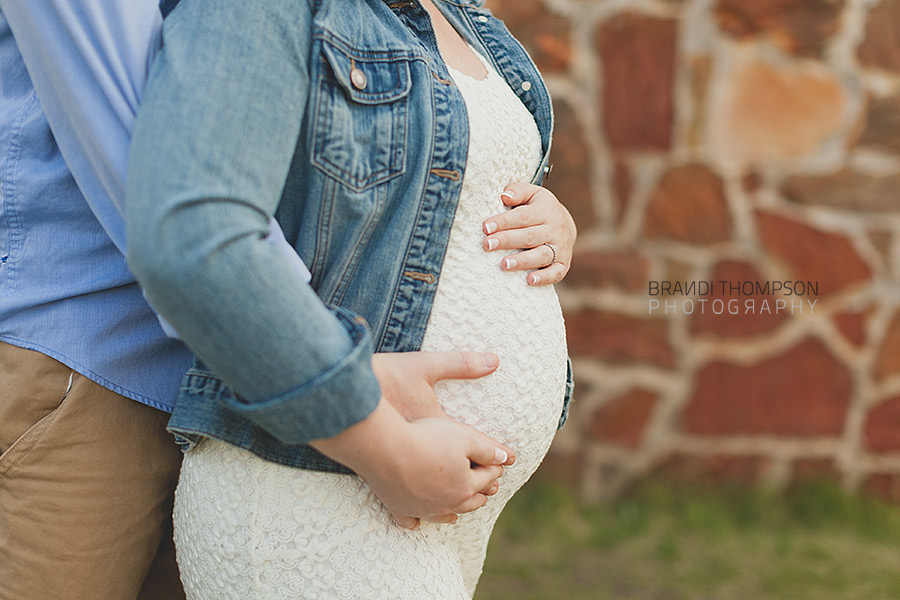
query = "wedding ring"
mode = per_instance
[{"x": 552, "y": 249}]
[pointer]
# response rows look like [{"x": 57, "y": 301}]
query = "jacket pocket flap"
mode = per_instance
[{"x": 369, "y": 78}]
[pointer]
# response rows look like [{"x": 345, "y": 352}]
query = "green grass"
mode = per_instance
[{"x": 672, "y": 543}]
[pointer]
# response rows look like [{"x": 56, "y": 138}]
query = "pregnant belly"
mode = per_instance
[{"x": 482, "y": 308}]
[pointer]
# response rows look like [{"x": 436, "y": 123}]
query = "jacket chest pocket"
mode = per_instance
[{"x": 361, "y": 116}]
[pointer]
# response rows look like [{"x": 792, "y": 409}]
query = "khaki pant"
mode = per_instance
[{"x": 86, "y": 487}]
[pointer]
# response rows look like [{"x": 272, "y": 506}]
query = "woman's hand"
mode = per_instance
[
  {"x": 407, "y": 381},
  {"x": 431, "y": 469},
  {"x": 538, "y": 219}
]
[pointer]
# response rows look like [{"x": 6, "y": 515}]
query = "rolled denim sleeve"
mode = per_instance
[{"x": 211, "y": 151}]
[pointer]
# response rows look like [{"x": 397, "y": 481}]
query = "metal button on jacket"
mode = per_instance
[{"x": 358, "y": 79}]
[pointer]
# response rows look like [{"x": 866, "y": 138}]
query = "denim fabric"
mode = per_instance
[{"x": 340, "y": 118}]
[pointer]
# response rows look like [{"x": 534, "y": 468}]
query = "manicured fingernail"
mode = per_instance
[
  {"x": 500, "y": 456},
  {"x": 491, "y": 244},
  {"x": 535, "y": 279},
  {"x": 490, "y": 360},
  {"x": 506, "y": 194},
  {"x": 509, "y": 263},
  {"x": 490, "y": 227}
]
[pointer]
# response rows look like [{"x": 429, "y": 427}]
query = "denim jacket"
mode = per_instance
[{"x": 338, "y": 118}]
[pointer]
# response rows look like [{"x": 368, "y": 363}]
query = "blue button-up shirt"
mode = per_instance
[{"x": 65, "y": 290}]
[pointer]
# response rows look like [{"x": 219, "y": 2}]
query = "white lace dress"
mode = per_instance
[{"x": 250, "y": 529}]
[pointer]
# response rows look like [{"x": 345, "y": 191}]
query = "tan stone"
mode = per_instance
[{"x": 766, "y": 112}]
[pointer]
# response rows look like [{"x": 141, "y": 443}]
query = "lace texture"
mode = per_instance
[{"x": 251, "y": 529}]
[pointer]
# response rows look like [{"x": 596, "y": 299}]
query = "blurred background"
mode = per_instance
[{"x": 723, "y": 140}]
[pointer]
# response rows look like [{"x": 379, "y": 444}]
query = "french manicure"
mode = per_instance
[
  {"x": 500, "y": 456},
  {"x": 509, "y": 263},
  {"x": 491, "y": 244},
  {"x": 506, "y": 194},
  {"x": 490, "y": 227},
  {"x": 535, "y": 279}
]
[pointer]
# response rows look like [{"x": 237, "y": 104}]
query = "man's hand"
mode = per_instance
[{"x": 407, "y": 378}]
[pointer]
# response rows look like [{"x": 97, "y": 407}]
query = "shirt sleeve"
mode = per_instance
[
  {"x": 212, "y": 149},
  {"x": 88, "y": 61}
]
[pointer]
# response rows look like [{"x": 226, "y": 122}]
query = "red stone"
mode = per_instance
[
  {"x": 882, "y": 429},
  {"x": 638, "y": 69},
  {"x": 815, "y": 469},
  {"x": 622, "y": 187},
  {"x": 563, "y": 468},
  {"x": 888, "y": 362},
  {"x": 885, "y": 486},
  {"x": 799, "y": 26},
  {"x": 720, "y": 468},
  {"x": 622, "y": 420},
  {"x": 803, "y": 392},
  {"x": 745, "y": 323},
  {"x": 845, "y": 189},
  {"x": 699, "y": 69},
  {"x": 688, "y": 205},
  {"x": 813, "y": 255},
  {"x": 882, "y": 241},
  {"x": 571, "y": 158},
  {"x": 750, "y": 182},
  {"x": 546, "y": 35},
  {"x": 852, "y": 326},
  {"x": 882, "y": 128},
  {"x": 625, "y": 270},
  {"x": 880, "y": 47},
  {"x": 619, "y": 339}
]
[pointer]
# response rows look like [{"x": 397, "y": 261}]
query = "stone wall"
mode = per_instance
[{"x": 727, "y": 141}]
